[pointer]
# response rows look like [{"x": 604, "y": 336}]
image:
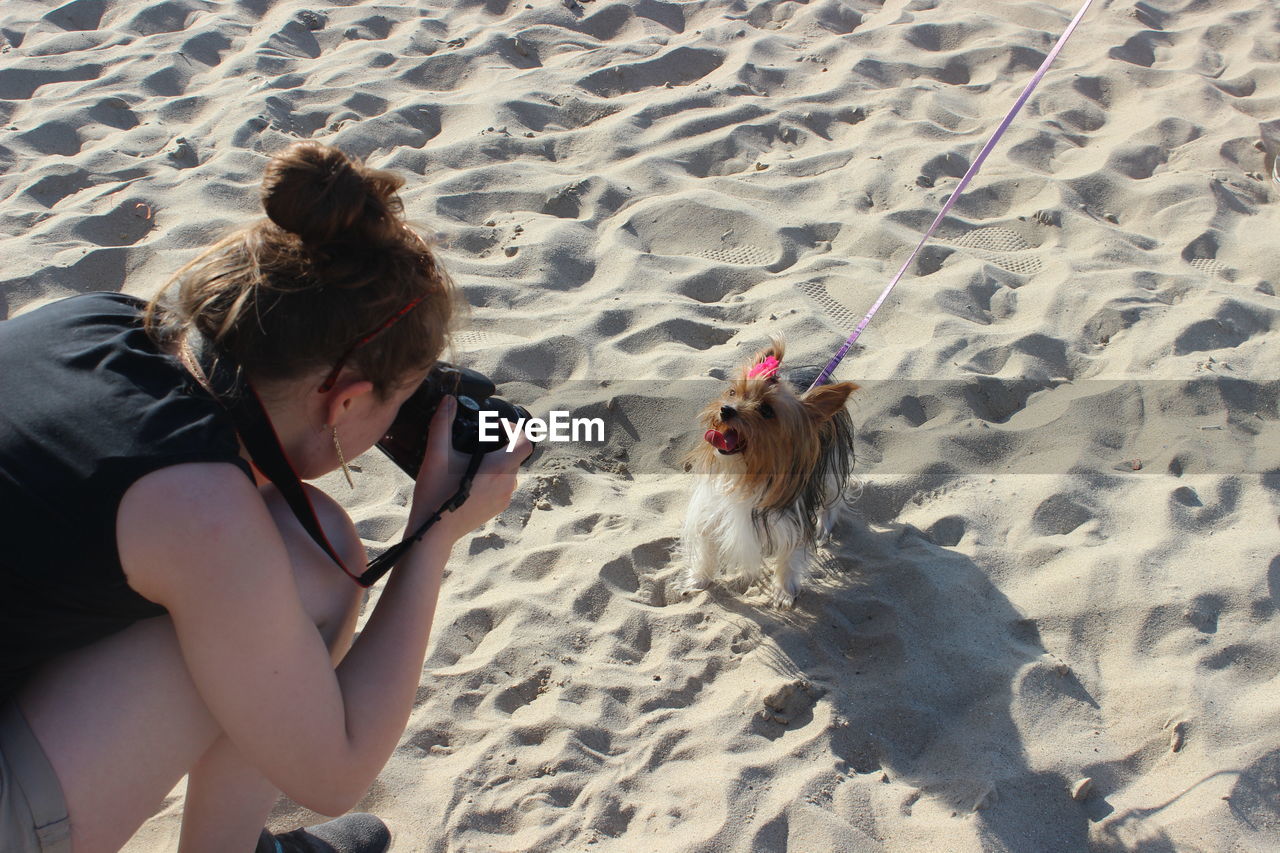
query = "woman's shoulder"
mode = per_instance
[
  {"x": 90, "y": 407},
  {"x": 98, "y": 304},
  {"x": 75, "y": 330},
  {"x": 182, "y": 508},
  {"x": 85, "y": 369},
  {"x": 213, "y": 483}
]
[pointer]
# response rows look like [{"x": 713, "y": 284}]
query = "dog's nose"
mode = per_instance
[{"x": 727, "y": 412}]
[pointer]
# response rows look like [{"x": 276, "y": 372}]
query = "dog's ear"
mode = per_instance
[{"x": 825, "y": 400}]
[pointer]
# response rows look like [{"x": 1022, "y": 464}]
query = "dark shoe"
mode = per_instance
[{"x": 353, "y": 833}]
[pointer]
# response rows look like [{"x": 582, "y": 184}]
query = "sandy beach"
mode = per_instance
[{"x": 1062, "y": 560}]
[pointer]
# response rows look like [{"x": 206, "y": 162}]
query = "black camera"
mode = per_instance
[{"x": 406, "y": 438}]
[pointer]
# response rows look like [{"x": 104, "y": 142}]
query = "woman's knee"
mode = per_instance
[{"x": 329, "y": 596}]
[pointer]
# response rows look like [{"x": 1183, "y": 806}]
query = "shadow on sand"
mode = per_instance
[{"x": 925, "y": 663}]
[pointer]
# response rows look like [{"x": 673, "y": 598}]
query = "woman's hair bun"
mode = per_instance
[{"x": 322, "y": 195}]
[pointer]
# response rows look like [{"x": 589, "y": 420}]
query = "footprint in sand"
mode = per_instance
[
  {"x": 1202, "y": 254},
  {"x": 746, "y": 255},
  {"x": 473, "y": 340},
  {"x": 1003, "y": 247},
  {"x": 817, "y": 291},
  {"x": 1209, "y": 266},
  {"x": 697, "y": 230}
]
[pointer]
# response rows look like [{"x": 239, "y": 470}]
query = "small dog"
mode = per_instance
[{"x": 772, "y": 473}]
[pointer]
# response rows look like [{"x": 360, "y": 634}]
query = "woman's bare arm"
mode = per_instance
[{"x": 199, "y": 540}]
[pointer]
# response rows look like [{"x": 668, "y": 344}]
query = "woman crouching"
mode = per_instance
[{"x": 162, "y": 611}]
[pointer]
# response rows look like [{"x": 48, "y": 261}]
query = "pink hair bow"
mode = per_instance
[{"x": 764, "y": 370}]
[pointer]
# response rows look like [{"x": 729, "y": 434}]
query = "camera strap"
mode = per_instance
[
  {"x": 385, "y": 561},
  {"x": 233, "y": 391}
]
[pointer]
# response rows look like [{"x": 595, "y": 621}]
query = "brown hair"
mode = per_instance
[{"x": 290, "y": 294}]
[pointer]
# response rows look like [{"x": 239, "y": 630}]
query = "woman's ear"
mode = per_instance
[{"x": 342, "y": 399}]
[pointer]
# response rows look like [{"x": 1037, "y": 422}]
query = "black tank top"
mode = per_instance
[{"x": 88, "y": 405}]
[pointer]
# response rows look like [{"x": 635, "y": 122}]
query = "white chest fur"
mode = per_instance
[{"x": 725, "y": 539}]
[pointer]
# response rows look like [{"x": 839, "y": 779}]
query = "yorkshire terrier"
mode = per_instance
[{"x": 771, "y": 476}]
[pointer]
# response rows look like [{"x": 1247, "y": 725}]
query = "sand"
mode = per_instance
[{"x": 1062, "y": 562}]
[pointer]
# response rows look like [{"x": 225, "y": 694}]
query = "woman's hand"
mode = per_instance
[{"x": 442, "y": 469}]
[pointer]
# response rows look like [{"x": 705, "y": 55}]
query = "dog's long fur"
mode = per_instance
[{"x": 765, "y": 504}]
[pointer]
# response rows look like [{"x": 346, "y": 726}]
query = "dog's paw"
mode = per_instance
[
  {"x": 782, "y": 598},
  {"x": 687, "y": 585}
]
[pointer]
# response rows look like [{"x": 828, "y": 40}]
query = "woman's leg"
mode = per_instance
[
  {"x": 228, "y": 800},
  {"x": 122, "y": 722},
  {"x": 226, "y": 804}
]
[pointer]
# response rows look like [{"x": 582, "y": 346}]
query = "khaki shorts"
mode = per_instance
[{"x": 33, "y": 814}]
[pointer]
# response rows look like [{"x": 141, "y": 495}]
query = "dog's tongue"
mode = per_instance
[{"x": 726, "y": 441}]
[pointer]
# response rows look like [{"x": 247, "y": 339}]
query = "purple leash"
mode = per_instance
[{"x": 964, "y": 182}]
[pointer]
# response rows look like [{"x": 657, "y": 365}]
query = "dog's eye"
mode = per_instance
[
  {"x": 732, "y": 393},
  {"x": 766, "y": 410}
]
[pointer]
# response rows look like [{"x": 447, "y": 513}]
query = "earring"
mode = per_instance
[{"x": 342, "y": 459}]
